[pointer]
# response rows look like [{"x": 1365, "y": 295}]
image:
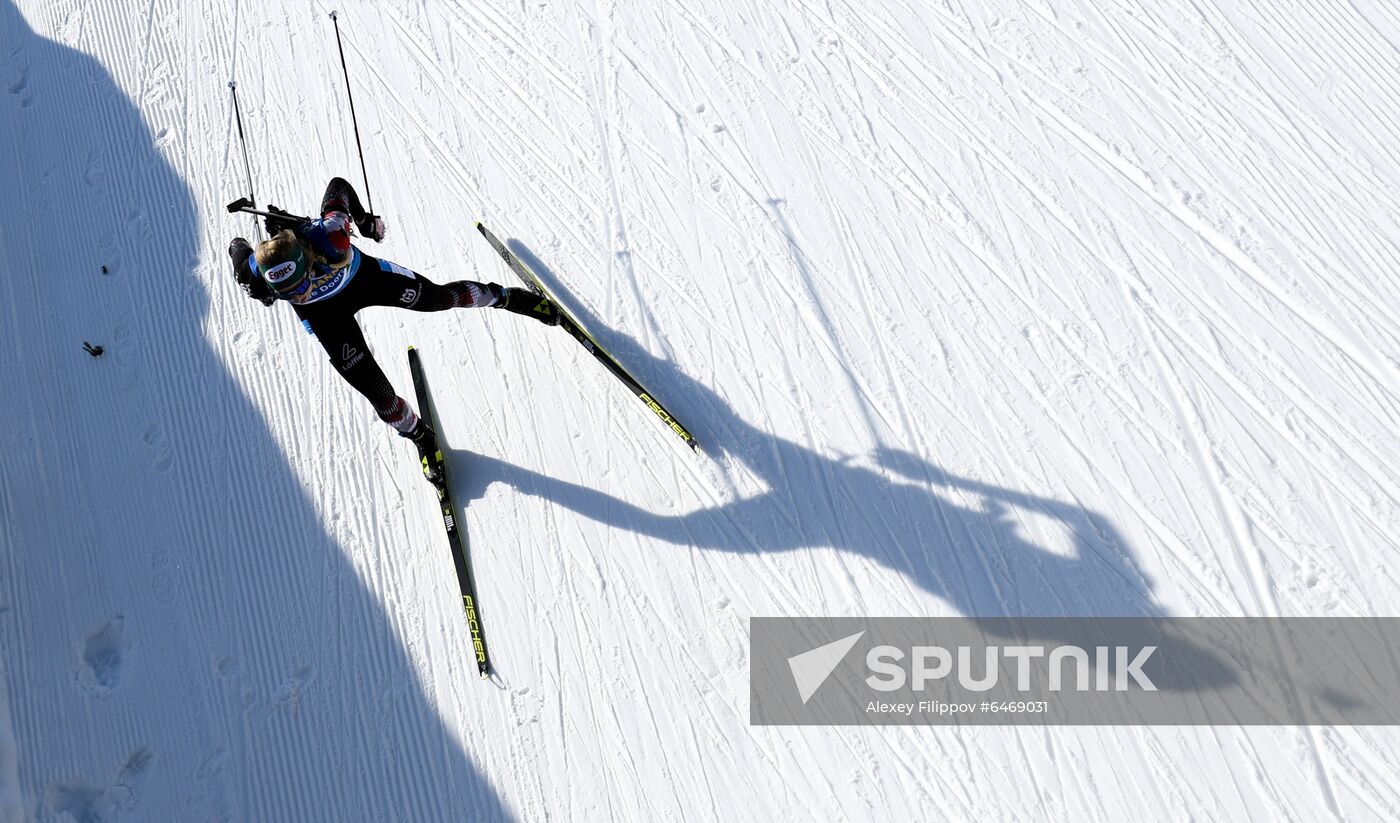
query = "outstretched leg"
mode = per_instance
[
  {"x": 395, "y": 285},
  {"x": 341, "y": 337}
]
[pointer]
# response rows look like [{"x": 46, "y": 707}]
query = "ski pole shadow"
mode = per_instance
[
  {"x": 957, "y": 538},
  {"x": 184, "y": 630}
]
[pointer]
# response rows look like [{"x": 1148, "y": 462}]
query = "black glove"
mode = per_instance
[
  {"x": 260, "y": 291},
  {"x": 255, "y": 287},
  {"x": 284, "y": 220},
  {"x": 371, "y": 226}
]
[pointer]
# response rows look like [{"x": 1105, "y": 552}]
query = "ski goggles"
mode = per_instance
[{"x": 289, "y": 276}]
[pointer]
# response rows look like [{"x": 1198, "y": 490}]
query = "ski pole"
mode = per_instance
[
  {"x": 350, "y": 94},
  {"x": 247, "y": 165}
]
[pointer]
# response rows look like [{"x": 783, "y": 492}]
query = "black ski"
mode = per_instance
[
  {"x": 449, "y": 519},
  {"x": 579, "y": 333}
]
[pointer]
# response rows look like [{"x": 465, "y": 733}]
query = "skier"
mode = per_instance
[{"x": 327, "y": 279}]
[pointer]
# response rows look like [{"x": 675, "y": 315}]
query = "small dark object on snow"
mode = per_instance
[
  {"x": 95, "y": 351},
  {"x": 104, "y": 270}
]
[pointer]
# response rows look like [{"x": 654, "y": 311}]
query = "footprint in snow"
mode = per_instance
[
  {"x": 103, "y": 658},
  {"x": 19, "y": 87},
  {"x": 288, "y": 695},
  {"x": 85, "y": 802}
]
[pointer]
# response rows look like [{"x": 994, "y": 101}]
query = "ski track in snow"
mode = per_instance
[{"x": 989, "y": 309}]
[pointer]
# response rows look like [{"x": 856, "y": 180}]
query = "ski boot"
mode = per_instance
[
  {"x": 526, "y": 302},
  {"x": 429, "y": 455}
]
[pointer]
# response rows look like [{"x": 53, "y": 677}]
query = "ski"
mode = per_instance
[
  {"x": 579, "y": 333},
  {"x": 455, "y": 540}
]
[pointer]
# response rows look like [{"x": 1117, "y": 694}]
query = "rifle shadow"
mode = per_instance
[
  {"x": 957, "y": 538},
  {"x": 185, "y": 635}
]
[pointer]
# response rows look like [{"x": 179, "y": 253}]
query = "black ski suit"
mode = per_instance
[{"x": 365, "y": 281}]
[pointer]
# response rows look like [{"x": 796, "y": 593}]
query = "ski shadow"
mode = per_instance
[
  {"x": 955, "y": 537},
  {"x": 185, "y": 635}
]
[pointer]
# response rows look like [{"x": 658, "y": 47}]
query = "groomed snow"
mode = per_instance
[{"x": 978, "y": 308}]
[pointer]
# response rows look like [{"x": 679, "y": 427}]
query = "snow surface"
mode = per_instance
[{"x": 1002, "y": 308}]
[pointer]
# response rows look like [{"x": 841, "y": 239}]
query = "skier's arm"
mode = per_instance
[
  {"x": 340, "y": 196},
  {"x": 329, "y": 237},
  {"x": 241, "y": 254}
]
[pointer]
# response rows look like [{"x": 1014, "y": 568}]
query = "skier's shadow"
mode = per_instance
[
  {"x": 955, "y": 537},
  {"x": 185, "y": 638}
]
